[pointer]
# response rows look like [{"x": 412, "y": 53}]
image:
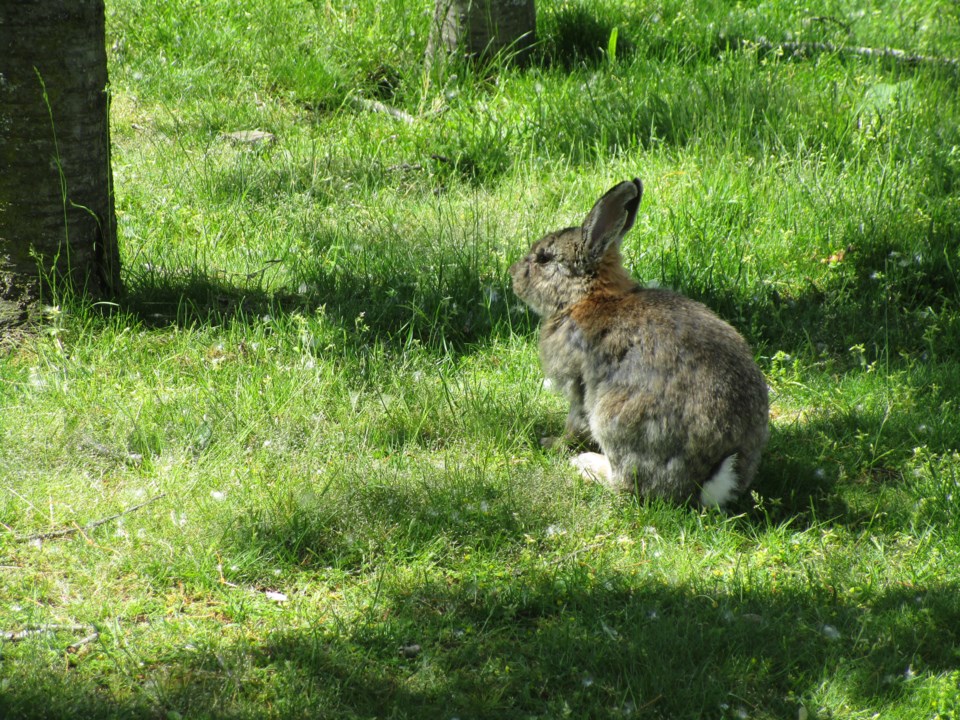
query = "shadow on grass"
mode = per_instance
[
  {"x": 574, "y": 36},
  {"x": 893, "y": 294},
  {"x": 560, "y": 643},
  {"x": 351, "y": 527},
  {"x": 889, "y": 297},
  {"x": 805, "y": 480},
  {"x": 910, "y": 306},
  {"x": 861, "y": 466},
  {"x": 569, "y": 641},
  {"x": 446, "y": 313}
]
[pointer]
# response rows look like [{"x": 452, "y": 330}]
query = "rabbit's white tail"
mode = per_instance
[{"x": 720, "y": 488}]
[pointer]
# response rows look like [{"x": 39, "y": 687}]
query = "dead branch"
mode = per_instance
[
  {"x": 806, "y": 49},
  {"x": 377, "y": 106},
  {"x": 250, "y": 137},
  {"x": 404, "y": 166},
  {"x": 18, "y": 635},
  {"x": 92, "y": 637},
  {"x": 89, "y": 526},
  {"x": 129, "y": 458}
]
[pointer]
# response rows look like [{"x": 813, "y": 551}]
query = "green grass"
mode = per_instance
[{"x": 323, "y": 388}]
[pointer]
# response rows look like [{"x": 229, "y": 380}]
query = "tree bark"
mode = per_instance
[
  {"x": 57, "y": 222},
  {"x": 483, "y": 28}
]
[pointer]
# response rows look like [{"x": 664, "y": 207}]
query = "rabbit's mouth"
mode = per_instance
[
  {"x": 523, "y": 286},
  {"x": 520, "y": 277}
]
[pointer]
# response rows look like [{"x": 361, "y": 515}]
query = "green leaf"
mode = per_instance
[{"x": 612, "y": 46}]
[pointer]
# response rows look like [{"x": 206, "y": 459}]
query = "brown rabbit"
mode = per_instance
[{"x": 669, "y": 391}]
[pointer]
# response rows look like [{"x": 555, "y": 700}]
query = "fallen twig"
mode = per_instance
[
  {"x": 404, "y": 166},
  {"x": 92, "y": 637},
  {"x": 89, "y": 526},
  {"x": 130, "y": 458},
  {"x": 650, "y": 703},
  {"x": 18, "y": 635},
  {"x": 377, "y": 106},
  {"x": 803, "y": 49},
  {"x": 250, "y": 137}
]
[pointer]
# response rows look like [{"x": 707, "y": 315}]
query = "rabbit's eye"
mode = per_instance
[{"x": 543, "y": 256}]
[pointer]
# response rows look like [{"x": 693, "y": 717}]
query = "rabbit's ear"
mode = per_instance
[{"x": 611, "y": 218}]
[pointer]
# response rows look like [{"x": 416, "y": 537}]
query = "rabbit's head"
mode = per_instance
[{"x": 564, "y": 266}]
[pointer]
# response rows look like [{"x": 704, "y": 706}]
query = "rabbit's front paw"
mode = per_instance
[{"x": 593, "y": 466}]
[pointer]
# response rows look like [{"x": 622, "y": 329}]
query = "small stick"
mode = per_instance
[
  {"x": 405, "y": 166},
  {"x": 84, "y": 641},
  {"x": 568, "y": 556},
  {"x": 657, "y": 699},
  {"x": 130, "y": 458},
  {"x": 89, "y": 526},
  {"x": 809, "y": 48},
  {"x": 377, "y": 106},
  {"x": 18, "y": 635},
  {"x": 417, "y": 166},
  {"x": 804, "y": 47}
]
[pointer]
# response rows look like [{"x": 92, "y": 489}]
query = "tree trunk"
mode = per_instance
[
  {"x": 483, "y": 28},
  {"x": 57, "y": 222}
]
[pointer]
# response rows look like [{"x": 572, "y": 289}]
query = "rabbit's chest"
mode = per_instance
[
  {"x": 564, "y": 350},
  {"x": 594, "y": 361}
]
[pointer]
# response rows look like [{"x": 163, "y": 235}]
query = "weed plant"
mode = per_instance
[{"x": 325, "y": 404}]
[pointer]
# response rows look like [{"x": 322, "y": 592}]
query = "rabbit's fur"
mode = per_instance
[{"x": 669, "y": 391}]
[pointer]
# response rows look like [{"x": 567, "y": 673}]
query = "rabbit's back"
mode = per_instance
[{"x": 669, "y": 388}]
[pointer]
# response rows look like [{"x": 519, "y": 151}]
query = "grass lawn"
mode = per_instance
[{"x": 296, "y": 473}]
